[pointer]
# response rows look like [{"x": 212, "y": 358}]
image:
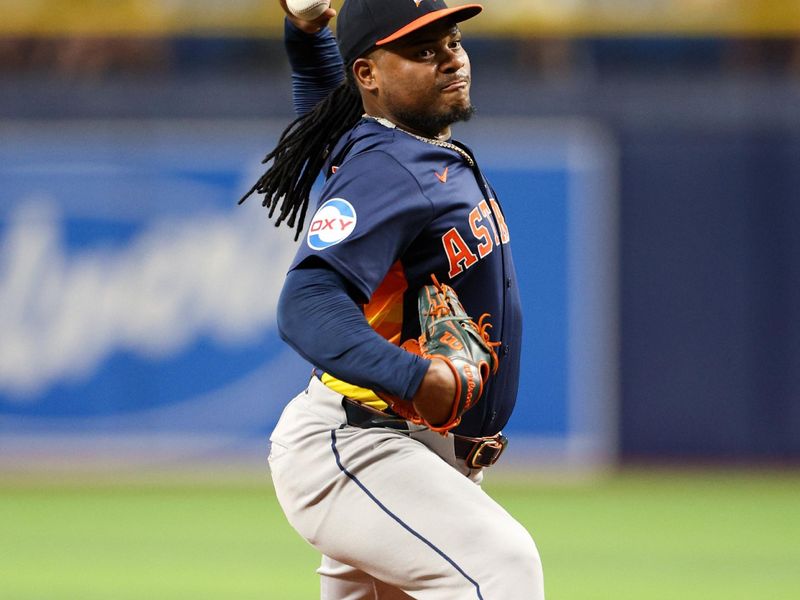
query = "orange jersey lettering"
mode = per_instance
[{"x": 459, "y": 256}]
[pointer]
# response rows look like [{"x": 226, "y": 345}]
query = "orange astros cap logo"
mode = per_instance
[{"x": 417, "y": 2}]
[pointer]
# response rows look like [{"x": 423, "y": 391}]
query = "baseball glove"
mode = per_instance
[{"x": 450, "y": 335}]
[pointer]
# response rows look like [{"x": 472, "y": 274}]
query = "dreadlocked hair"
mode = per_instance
[{"x": 301, "y": 152}]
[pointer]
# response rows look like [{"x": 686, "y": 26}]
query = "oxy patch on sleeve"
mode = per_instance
[{"x": 333, "y": 222}]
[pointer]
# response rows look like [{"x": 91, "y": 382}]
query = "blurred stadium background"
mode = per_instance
[{"x": 646, "y": 153}]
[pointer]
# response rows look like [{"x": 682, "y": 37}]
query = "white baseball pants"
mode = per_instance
[{"x": 394, "y": 514}]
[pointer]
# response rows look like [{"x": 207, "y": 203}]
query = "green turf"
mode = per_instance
[{"x": 701, "y": 536}]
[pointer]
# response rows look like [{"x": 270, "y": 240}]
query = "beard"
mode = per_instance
[{"x": 432, "y": 124}]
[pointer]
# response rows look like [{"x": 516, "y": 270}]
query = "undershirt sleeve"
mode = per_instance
[
  {"x": 317, "y": 66},
  {"x": 321, "y": 321}
]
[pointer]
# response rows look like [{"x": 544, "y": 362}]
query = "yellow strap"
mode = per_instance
[{"x": 363, "y": 395}]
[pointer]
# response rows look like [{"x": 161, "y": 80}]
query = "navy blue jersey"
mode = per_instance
[{"x": 396, "y": 209}]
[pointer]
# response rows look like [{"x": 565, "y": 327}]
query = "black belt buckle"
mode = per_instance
[{"x": 486, "y": 452}]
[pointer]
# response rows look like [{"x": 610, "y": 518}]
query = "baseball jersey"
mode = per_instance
[{"x": 396, "y": 209}]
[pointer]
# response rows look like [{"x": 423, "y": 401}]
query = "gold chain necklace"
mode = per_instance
[{"x": 387, "y": 123}]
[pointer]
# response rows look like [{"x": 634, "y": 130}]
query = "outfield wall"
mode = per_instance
[{"x": 706, "y": 136}]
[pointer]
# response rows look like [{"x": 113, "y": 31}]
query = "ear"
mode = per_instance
[{"x": 364, "y": 70}]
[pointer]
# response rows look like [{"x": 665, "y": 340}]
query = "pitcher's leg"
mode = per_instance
[
  {"x": 387, "y": 505},
  {"x": 401, "y": 514},
  {"x": 343, "y": 582}
]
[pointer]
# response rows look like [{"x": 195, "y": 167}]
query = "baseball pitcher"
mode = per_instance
[{"x": 403, "y": 295}]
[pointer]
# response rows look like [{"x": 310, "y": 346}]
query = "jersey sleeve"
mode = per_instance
[
  {"x": 319, "y": 319},
  {"x": 370, "y": 211}
]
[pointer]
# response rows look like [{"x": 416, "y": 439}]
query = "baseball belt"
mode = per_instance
[{"x": 477, "y": 452}]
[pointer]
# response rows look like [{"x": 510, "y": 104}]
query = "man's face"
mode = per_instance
[{"x": 424, "y": 79}]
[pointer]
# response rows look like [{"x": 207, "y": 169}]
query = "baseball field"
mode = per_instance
[{"x": 665, "y": 534}]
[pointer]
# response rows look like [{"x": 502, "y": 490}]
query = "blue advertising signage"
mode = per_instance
[{"x": 137, "y": 300}]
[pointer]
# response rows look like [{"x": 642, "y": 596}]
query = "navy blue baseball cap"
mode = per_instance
[{"x": 364, "y": 24}]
